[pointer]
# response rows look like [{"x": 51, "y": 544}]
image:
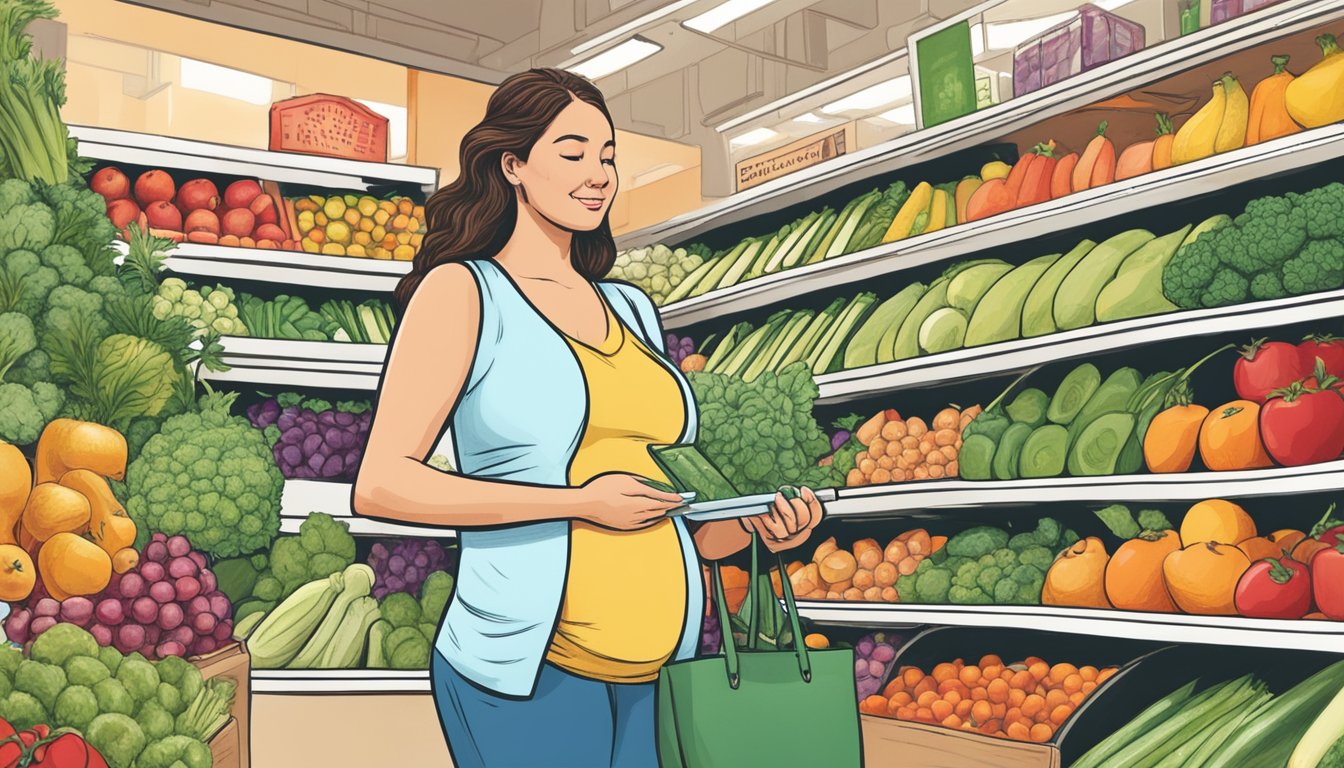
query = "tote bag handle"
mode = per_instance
[{"x": 729, "y": 644}]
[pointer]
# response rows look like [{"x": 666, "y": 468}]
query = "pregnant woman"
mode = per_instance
[{"x": 574, "y": 586}]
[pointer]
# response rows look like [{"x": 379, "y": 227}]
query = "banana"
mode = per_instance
[
  {"x": 1195, "y": 139},
  {"x": 1236, "y": 116}
]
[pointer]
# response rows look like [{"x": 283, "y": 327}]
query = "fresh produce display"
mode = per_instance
[
  {"x": 889, "y": 449},
  {"x": 256, "y": 583},
  {"x": 405, "y": 566},
  {"x": 168, "y": 604},
  {"x": 865, "y": 572},
  {"x": 1228, "y": 723},
  {"x": 244, "y": 216},
  {"x": 310, "y": 438},
  {"x": 209, "y": 309},
  {"x": 657, "y": 269},
  {"x": 1026, "y": 700},
  {"x": 873, "y": 657},
  {"x": 210, "y": 476},
  {"x": 986, "y": 565},
  {"x": 786, "y": 338},
  {"x": 136, "y": 713},
  {"x": 370, "y": 322},
  {"x": 360, "y": 225},
  {"x": 405, "y": 629},
  {"x": 282, "y": 317}
]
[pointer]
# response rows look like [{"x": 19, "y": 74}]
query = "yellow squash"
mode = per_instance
[
  {"x": 1269, "y": 113},
  {"x": 995, "y": 169},
  {"x": 1195, "y": 139},
  {"x": 1236, "y": 114},
  {"x": 917, "y": 203},
  {"x": 1317, "y": 97},
  {"x": 938, "y": 212}
]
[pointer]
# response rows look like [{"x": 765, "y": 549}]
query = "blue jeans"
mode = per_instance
[{"x": 570, "y": 722}]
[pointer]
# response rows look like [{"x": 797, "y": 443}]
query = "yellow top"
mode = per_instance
[{"x": 625, "y": 596}]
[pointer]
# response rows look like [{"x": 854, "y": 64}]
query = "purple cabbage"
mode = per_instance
[
  {"x": 312, "y": 439},
  {"x": 406, "y": 565}
]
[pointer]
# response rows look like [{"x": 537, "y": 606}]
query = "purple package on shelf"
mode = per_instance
[
  {"x": 1222, "y": 10},
  {"x": 1027, "y": 71},
  {"x": 1090, "y": 39}
]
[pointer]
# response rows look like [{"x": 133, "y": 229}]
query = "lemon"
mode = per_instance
[
  {"x": 381, "y": 217},
  {"x": 338, "y": 232},
  {"x": 320, "y": 219},
  {"x": 356, "y": 250},
  {"x": 334, "y": 208},
  {"x": 309, "y": 246},
  {"x": 404, "y": 238},
  {"x": 400, "y": 222},
  {"x": 351, "y": 201},
  {"x": 377, "y": 233},
  {"x": 366, "y": 225},
  {"x": 403, "y": 253},
  {"x": 305, "y": 219},
  {"x": 382, "y": 253},
  {"x": 367, "y": 205},
  {"x": 362, "y": 238},
  {"x": 352, "y": 216},
  {"x": 412, "y": 224},
  {"x": 333, "y": 249},
  {"x": 417, "y": 239}
]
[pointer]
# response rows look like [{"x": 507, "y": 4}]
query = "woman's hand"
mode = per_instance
[
  {"x": 789, "y": 523},
  {"x": 623, "y": 502}
]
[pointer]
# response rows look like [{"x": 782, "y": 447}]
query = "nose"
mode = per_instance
[{"x": 600, "y": 177}]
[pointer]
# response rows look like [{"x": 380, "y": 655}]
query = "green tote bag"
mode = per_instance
[{"x": 739, "y": 709}]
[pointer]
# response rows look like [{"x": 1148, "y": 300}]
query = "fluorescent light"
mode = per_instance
[
  {"x": 615, "y": 59},
  {"x": 904, "y": 114},
  {"x": 809, "y": 117},
  {"x": 1009, "y": 34},
  {"x": 977, "y": 39},
  {"x": 396, "y": 125},
  {"x": 724, "y": 14},
  {"x": 872, "y": 97},
  {"x": 625, "y": 29},
  {"x": 750, "y": 138},
  {"x": 223, "y": 81}
]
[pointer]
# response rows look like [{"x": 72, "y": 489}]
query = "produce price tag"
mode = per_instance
[{"x": 320, "y": 124}]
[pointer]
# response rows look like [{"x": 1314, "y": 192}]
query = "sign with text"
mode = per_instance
[{"x": 805, "y": 152}]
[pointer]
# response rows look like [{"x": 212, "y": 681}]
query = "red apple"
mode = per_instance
[
  {"x": 241, "y": 193},
  {"x": 269, "y": 232},
  {"x": 202, "y": 220},
  {"x": 237, "y": 222},
  {"x": 153, "y": 186},
  {"x": 163, "y": 215},
  {"x": 263, "y": 207},
  {"x": 122, "y": 212},
  {"x": 111, "y": 183},
  {"x": 197, "y": 194}
]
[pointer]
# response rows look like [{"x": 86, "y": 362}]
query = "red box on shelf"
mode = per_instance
[{"x": 322, "y": 124}]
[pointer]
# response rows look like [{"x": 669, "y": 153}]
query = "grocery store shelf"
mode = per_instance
[
  {"x": 1299, "y": 150},
  {"x": 1119, "y": 76},
  {"x": 301, "y": 498},
  {"x": 919, "y": 497},
  {"x": 279, "y": 362},
  {"x": 339, "y": 681},
  {"x": 1161, "y": 627},
  {"x": 1009, "y": 356},
  {"x": 208, "y": 158},
  {"x": 285, "y": 267}
]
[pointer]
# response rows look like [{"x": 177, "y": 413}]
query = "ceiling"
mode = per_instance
[{"x": 697, "y": 82}]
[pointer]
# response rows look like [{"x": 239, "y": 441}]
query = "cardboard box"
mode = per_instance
[
  {"x": 887, "y": 741},
  {"x": 232, "y": 745}
]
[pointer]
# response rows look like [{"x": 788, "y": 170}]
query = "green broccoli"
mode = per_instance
[
  {"x": 81, "y": 221},
  {"x": 154, "y": 720},
  {"x": 110, "y": 657},
  {"x": 1006, "y": 592},
  {"x": 25, "y": 412},
  {"x": 117, "y": 737},
  {"x": 1323, "y": 208},
  {"x": 1037, "y": 557},
  {"x": 988, "y": 577},
  {"x": 14, "y": 192},
  {"x": 434, "y": 595},
  {"x": 140, "y": 678},
  {"x": 1267, "y": 286},
  {"x": 63, "y": 642},
  {"x": 268, "y": 587},
  {"x": 977, "y": 541},
  {"x": 174, "y": 751},
  {"x": 28, "y": 226},
  {"x": 30, "y": 369},
  {"x": 85, "y": 671},
  {"x": 324, "y": 546},
  {"x": 170, "y": 699},
  {"x": 190, "y": 684},
  {"x": 1271, "y": 231},
  {"x": 1045, "y": 535},
  {"x": 6, "y": 685},
  {"x": 171, "y": 668},
  {"x": 75, "y": 707},
  {"x": 1227, "y": 287},
  {"x": 400, "y": 609},
  {"x": 209, "y": 476},
  {"x": 68, "y": 263},
  {"x": 43, "y": 681},
  {"x": 1190, "y": 272},
  {"x": 407, "y": 648},
  {"x": 112, "y": 697},
  {"x": 25, "y": 282},
  {"x": 22, "y": 710},
  {"x": 17, "y": 338},
  {"x": 10, "y": 659},
  {"x": 960, "y": 595},
  {"x": 1319, "y": 267},
  {"x": 1005, "y": 558},
  {"x": 1029, "y": 580}
]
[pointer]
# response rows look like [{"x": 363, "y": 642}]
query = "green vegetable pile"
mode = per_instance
[
  {"x": 407, "y": 626},
  {"x": 284, "y": 317},
  {"x": 259, "y": 582},
  {"x": 209, "y": 309},
  {"x": 209, "y": 476},
  {"x": 34, "y": 144},
  {"x": 988, "y": 566},
  {"x": 1280, "y": 246},
  {"x": 136, "y": 713},
  {"x": 762, "y": 433},
  {"x": 657, "y": 269}
]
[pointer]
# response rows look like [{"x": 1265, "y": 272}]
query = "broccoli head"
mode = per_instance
[
  {"x": 434, "y": 595},
  {"x": 1267, "y": 286},
  {"x": 43, "y": 682},
  {"x": 25, "y": 282},
  {"x": 1319, "y": 267},
  {"x": 140, "y": 678},
  {"x": 1037, "y": 557},
  {"x": 27, "y": 226},
  {"x": 117, "y": 737},
  {"x": 400, "y": 609},
  {"x": 63, "y": 642},
  {"x": 1227, "y": 287},
  {"x": 1029, "y": 580},
  {"x": 24, "y": 412},
  {"x": 976, "y": 542},
  {"x": 1271, "y": 231},
  {"x": 154, "y": 720},
  {"x": 407, "y": 648},
  {"x": 324, "y": 546},
  {"x": 988, "y": 577},
  {"x": 68, "y": 263},
  {"x": 1190, "y": 271},
  {"x": 75, "y": 707},
  {"x": 1323, "y": 209},
  {"x": 17, "y": 338},
  {"x": 84, "y": 670},
  {"x": 968, "y": 596},
  {"x": 172, "y": 751},
  {"x": 82, "y": 223},
  {"x": 15, "y": 192},
  {"x": 23, "y": 711}
]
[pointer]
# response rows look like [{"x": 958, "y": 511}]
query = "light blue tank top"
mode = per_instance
[{"x": 520, "y": 418}]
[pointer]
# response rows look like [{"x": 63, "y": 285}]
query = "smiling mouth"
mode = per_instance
[{"x": 590, "y": 202}]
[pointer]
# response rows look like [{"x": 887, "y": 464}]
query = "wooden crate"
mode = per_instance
[
  {"x": 891, "y": 742},
  {"x": 232, "y": 745}
]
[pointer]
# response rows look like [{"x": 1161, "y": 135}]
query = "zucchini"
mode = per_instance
[
  {"x": 1073, "y": 393},
  {"x": 1045, "y": 452},
  {"x": 1029, "y": 407},
  {"x": 846, "y": 227},
  {"x": 816, "y": 330},
  {"x": 742, "y": 356},
  {"x": 808, "y": 242},
  {"x": 865, "y": 348},
  {"x": 1111, "y": 397},
  {"x": 689, "y": 283},
  {"x": 1099, "y": 445},
  {"x": 758, "y": 264},
  {"x": 690, "y": 470},
  {"x": 976, "y": 458},
  {"x": 1008, "y": 454},
  {"x": 721, "y": 268},
  {"x": 726, "y": 347},
  {"x": 788, "y": 334},
  {"x": 787, "y": 244},
  {"x": 824, "y": 359},
  {"x": 740, "y": 265}
]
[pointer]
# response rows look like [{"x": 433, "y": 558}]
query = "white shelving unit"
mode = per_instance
[
  {"x": 339, "y": 681},
  {"x": 285, "y": 363},
  {"x": 197, "y": 260},
  {"x": 301, "y": 498}
]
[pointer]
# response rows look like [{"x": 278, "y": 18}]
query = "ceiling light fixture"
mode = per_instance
[
  {"x": 872, "y": 97},
  {"x": 625, "y": 29},
  {"x": 809, "y": 117},
  {"x": 615, "y": 59},
  {"x": 752, "y": 138},
  {"x": 724, "y": 14}
]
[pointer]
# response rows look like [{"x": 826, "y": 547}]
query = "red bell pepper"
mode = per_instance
[
  {"x": 1274, "y": 588},
  {"x": 1327, "y": 569}
]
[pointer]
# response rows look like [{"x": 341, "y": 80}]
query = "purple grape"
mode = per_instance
[
  {"x": 159, "y": 537},
  {"x": 861, "y": 669},
  {"x": 42, "y": 624},
  {"x": 162, "y": 592},
  {"x": 152, "y": 634},
  {"x": 170, "y": 616},
  {"x": 864, "y": 648},
  {"x": 288, "y": 458},
  {"x": 839, "y": 439},
  {"x": 285, "y": 421},
  {"x": 185, "y": 588},
  {"x": 178, "y": 546},
  {"x": 345, "y": 419},
  {"x": 77, "y": 610},
  {"x": 109, "y": 612},
  {"x": 170, "y": 648},
  {"x": 204, "y": 623},
  {"x": 156, "y": 552},
  {"x": 421, "y": 560},
  {"x": 396, "y": 564},
  {"x": 308, "y": 427},
  {"x": 883, "y": 653},
  {"x": 292, "y": 436},
  {"x": 18, "y": 624},
  {"x": 868, "y": 687},
  {"x": 132, "y": 585},
  {"x": 223, "y": 632},
  {"x": 316, "y": 461},
  {"x": 198, "y": 605},
  {"x": 199, "y": 559},
  {"x": 144, "y": 610},
  {"x": 311, "y": 445},
  {"x": 114, "y": 583},
  {"x": 130, "y": 637},
  {"x": 47, "y": 607},
  {"x": 152, "y": 572},
  {"x": 208, "y": 582},
  {"x": 333, "y": 466},
  {"x": 220, "y": 606},
  {"x": 876, "y": 669},
  {"x": 204, "y": 645},
  {"x": 101, "y": 634},
  {"x": 182, "y": 566}
]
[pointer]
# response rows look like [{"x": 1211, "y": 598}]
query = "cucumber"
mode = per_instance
[
  {"x": 865, "y": 348},
  {"x": 763, "y": 257},
  {"x": 734, "y": 274},
  {"x": 806, "y": 245},
  {"x": 788, "y": 334},
  {"x": 720, "y": 269},
  {"x": 1029, "y": 407},
  {"x": 1100, "y": 444},
  {"x": 1076, "y": 300},
  {"x": 786, "y": 245},
  {"x": 1038, "y": 311},
  {"x": 1112, "y": 396},
  {"x": 976, "y": 458},
  {"x": 756, "y": 344},
  {"x": 835, "y": 244},
  {"x": 725, "y": 347},
  {"x": 1008, "y": 455},
  {"x": 1045, "y": 452},
  {"x": 853, "y": 316},
  {"x": 689, "y": 469},
  {"x": 1073, "y": 393},
  {"x": 812, "y": 336},
  {"x": 692, "y": 280}
]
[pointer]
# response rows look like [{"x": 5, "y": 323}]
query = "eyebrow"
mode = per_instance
[{"x": 584, "y": 139}]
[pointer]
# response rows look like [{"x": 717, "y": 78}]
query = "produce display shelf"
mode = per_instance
[
  {"x": 208, "y": 158},
  {"x": 284, "y": 267},
  {"x": 1020, "y": 354},
  {"x": 1116, "y": 77},
  {"x": 1170, "y": 185},
  {"x": 285, "y": 363},
  {"x": 919, "y": 497},
  {"x": 1309, "y": 635},
  {"x": 339, "y": 681},
  {"x": 301, "y": 498}
]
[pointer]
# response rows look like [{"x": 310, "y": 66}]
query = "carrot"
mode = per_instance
[
  {"x": 936, "y": 543},
  {"x": 1061, "y": 181},
  {"x": 1086, "y": 173},
  {"x": 1136, "y": 160},
  {"x": 1036, "y": 182},
  {"x": 1162, "y": 145},
  {"x": 993, "y": 197},
  {"x": 1169, "y": 445}
]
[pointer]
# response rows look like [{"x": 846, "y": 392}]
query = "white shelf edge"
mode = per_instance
[
  {"x": 293, "y": 378},
  {"x": 300, "y": 498},
  {"x": 1119, "y": 76},
  {"x": 1162, "y": 627},
  {"x": 1123, "y": 197},
  {"x": 206, "y": 157},
  {"x": 900, "y": 499},
  {"x": 338, "y": 681},
  {"x": 1020, "y": 354}
]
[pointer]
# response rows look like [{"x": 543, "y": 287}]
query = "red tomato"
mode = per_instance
[
  {"x": 1328, "y": 348},
  {"x": 1265, "y": 367},
  {"x": 69, "y": 751},
  {"x": 1303, "y": 426},
  {"x": 1274, "y": 589},
  {"x": 1328, "y": 568}
]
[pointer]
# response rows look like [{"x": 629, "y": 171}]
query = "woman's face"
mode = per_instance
[{"x": 570, "y": 173}]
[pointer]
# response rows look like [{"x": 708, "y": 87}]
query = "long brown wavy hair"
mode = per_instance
[{"x": 473, "y": 217}]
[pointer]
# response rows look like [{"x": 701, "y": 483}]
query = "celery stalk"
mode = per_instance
[{"x": 1162, "y": 709}]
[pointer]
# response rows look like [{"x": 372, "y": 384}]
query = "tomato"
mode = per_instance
[
  {"x": 69, "y": 751},
  {"x": 1265, "y": 367},
  {"x": 1274, "y": 589},
  {"x": 1327, "y": 567},
  {"x": 1301, "y": 425},
  {"x": 1328, "y": 348}
]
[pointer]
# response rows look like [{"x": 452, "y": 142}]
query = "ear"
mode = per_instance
[{"x": 509, "y": 164}]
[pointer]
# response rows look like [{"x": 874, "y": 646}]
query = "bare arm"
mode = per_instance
[{"x": 720, "y": 539}]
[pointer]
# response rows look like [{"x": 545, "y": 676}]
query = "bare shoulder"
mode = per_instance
[{"x": 448, "y": 294}]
